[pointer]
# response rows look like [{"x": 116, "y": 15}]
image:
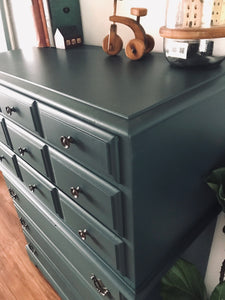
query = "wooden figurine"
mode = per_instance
[{"x": 136, "y": 48}]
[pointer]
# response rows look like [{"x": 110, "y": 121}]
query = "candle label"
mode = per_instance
[{"x": 177, "y": 49}]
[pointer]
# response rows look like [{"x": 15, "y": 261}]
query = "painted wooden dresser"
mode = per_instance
[{"x": 106, "y": 161}]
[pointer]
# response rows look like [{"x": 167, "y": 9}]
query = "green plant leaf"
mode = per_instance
[
  {"x": 219, "y": 292},
  {"x": 216, "y": 181},
  {"x": 183, "y": 281}
]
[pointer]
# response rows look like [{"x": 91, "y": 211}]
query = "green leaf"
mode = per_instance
[
  {"x": 183, "y": 281},
  {"x": 216, "y": 181},
  {"x": 219, "y": 292}
]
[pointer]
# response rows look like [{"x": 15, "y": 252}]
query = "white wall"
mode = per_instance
[
  {"x": 3, "y": 46},
  {"x": 95, "y": 18}
]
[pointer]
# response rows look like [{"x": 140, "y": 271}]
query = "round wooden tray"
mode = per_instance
[{"x": 193, "y": 33}]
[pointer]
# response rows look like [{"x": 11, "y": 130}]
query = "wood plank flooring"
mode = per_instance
[{"x": 19, "y": 278}]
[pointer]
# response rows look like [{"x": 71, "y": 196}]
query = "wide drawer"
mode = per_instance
[
  {"x": 20, "y": 109},
  {"x": 41, "y": 188},
  {"x": 81, "y": 258},
  {"x": 8, "y": 160},
  {"x": 32, "y": 150},
  {"x": 94, "y": 234},
  {"x": 50, "y": 271},
  {"x": 84, "y": 143},
  {"x": 92, "y": 193},
  {"x": 41, "y": 246}
]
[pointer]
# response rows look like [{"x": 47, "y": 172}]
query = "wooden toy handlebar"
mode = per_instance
[{"x": 134, "y": 25}]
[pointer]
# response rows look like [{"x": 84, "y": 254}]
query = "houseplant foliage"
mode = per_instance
[
  {"x": 216, "y": 181},
  {"x": 184, "y": 282}
]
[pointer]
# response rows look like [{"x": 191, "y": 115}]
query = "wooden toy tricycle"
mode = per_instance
[{"x": 136, "y": 48}]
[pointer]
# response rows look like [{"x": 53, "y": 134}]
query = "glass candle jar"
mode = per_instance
[{"x": 194, "y": 33}]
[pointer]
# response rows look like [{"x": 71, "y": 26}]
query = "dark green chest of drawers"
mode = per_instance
[{"x": 106, "y": 161}]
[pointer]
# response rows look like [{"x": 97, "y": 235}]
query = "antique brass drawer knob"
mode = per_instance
[
  {"x": 31, "y": 247},
  {"x": 13, "y": 194},
  {"x": 75, "y": 191},
  {"x": 22, "y": 151},
  {"x": 23, "y": 223},
  {"x": 66, "y": 141},
  {"x": 99, "y": 286},
  {"x": 32, "y": 187},
  {"x": 83, "y": 234},
  {"x": 10, "y": 110}
]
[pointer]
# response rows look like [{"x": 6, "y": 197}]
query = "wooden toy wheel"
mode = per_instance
[
  {"x": 149, "y": 43},
  {"x": 113, "y": 46},
  {"x": 135, "y": 49}
]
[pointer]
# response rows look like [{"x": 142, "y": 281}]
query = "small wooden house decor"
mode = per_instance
[{"x": 67, "y": 37}]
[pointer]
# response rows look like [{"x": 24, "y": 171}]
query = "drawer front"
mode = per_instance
[
  {"x": 50, "y": 271},
  {"x": 38, "y": 186},
  {"x": 20, "y": 109},
  {"x": 32, "y": 150},
  {"x": 39, "y": 244},
  {"x": 94, "y": 234},
  {"x": 71, "y": 248},
  {"x": 13, "y": 191},
  {"x": 92, "y": 193},
  {"x": 82, "y": 142},
  {"x": 8, "y": 160}
]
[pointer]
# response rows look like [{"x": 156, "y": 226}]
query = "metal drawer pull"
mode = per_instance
[
  {"x": 32, "y": 187},
  {"x": 99, "y": 286},
  {"x": 22, "y": 151},
  {"x": 13, "y": 194},
  {"x": 75, "y": 191},
  {"x": 23, "y": 223},
  {"x": 83, "y": 234},
  {"x": 10, "y": 110},
  {"x": 66, "y": 141},
  {"x": 1, "y": 157}
]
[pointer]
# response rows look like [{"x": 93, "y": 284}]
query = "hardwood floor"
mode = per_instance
[{"x": 19, "y": 278}]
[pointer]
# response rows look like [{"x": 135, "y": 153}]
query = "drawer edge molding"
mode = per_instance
[
  {"x": 6, "y": 133},
  {"x": 47, "y": 163},
  {"x": 36, "y": 118}
]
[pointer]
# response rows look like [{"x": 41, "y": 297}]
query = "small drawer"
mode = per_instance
[
  {"x": 94, "y": 234},
  {"x": 84, "y": 143},
  {"x": 13, "y": 191},
  {"x": 20, "y": 109},
  {"x": 32, "y": 150},
  {"x": 92, "y": 193},
  {"x": 94, "y": 272},
  {"x": 40, "y": 187},
  {"x": 8, "y": 160}
]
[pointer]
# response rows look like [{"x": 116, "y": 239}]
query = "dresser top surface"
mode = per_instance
[{"x": 114, "y": 84}]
